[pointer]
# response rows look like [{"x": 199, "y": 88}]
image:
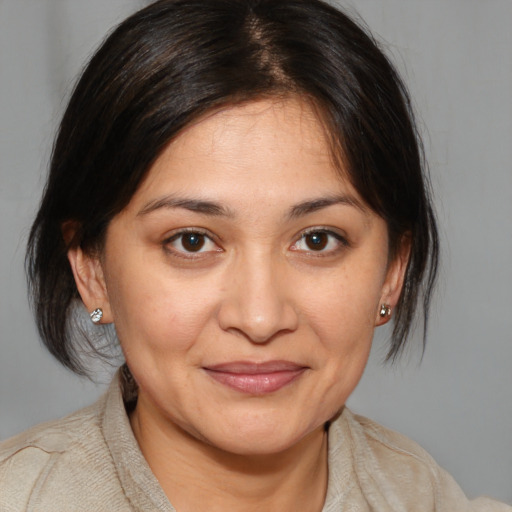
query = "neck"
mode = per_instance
[{"x": 197, "y": 476}]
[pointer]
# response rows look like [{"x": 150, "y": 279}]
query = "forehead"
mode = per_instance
[{"x": 265, "y": 147}]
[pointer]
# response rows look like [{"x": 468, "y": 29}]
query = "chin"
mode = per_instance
[
  {"x": 256, "y": 447},
  {"x": 261, "y": 439}
]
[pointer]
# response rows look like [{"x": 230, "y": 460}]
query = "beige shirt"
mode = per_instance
[{"x": 90, "y": 461}]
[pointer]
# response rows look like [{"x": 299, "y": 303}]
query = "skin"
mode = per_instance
[{"x": 257, "y": 184}]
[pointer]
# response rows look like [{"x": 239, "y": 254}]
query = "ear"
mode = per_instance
[
  {"x": 395, "y": 276},
  {"x": 90, "y": 281}
]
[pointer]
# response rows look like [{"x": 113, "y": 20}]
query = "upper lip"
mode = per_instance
[{"x": 255, "y": 368}]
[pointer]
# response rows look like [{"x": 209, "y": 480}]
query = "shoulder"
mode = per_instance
[
  {"x": 389, "y": 446},
  {"x": 54, "y": 435},
  {"x": 45, "y": 463},
  {"x": 36, "y": 445},
  {"x": 401, "y": 473}
]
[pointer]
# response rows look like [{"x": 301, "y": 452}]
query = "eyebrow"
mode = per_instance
[
  {"x": 194, "y": 205},
  {"x": 214, "y": 209},
  {"x": 314, "y": 205}
]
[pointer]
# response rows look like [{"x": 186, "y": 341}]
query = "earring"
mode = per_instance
[
  {"x": 385, "y": 310},
  {"x": 97, "y": 315}
]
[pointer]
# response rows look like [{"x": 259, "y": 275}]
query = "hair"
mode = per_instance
[{"x": 176, "y": 60}]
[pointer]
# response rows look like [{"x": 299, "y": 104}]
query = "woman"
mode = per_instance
[{"x": 236, "y": 187}]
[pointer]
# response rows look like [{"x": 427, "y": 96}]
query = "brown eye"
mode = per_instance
[
  {"x": 316, "y": 241},
  {"x": 192, "y": 242},
  {"x": 324, "y": 242}
]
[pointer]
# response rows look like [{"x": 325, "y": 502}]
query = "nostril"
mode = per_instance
[
  {"x": 256, "y": 303},
  {"x": 257, "y": 325}
]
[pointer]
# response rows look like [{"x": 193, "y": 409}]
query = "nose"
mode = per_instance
[{"x": 258, "y": 301}]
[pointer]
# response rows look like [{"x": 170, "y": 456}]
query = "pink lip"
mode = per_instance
[{"x": 255, "y": 378}]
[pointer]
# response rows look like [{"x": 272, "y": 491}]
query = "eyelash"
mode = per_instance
[
  {"x": 340, "y": 240},
  {"x": 206, "y": 238}
]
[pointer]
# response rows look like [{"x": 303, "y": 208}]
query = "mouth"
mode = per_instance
[{"x": 255, "y": 378}]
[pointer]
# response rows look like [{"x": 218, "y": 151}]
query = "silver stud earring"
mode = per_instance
[
  {"x": 97, "y": 315},
  {"x": 385, "y": 310}
]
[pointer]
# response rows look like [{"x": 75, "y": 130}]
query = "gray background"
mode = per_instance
[{"x": 456, "y": 56}]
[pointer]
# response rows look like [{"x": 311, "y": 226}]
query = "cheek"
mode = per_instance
[
  {"x": 156, "y": 312},
  {"x": 343, "y": 321},
  {"x": 343, "y": 308},
  {"x": 342, "y": 313}
]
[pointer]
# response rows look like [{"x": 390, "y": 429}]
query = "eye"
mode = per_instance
[
  {"x": 190, "y": 242},
  {"x": 319, "y": 240}
]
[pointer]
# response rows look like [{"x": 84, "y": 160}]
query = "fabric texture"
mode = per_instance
[{"x": 90, "y": 461}]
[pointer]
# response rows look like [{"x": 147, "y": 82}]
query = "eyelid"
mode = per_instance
[
  {"x": 175, "y": 235},
  {"x": 341, "y": 238},
  {"x": 183, "y": 231},
  {"x": 336, "y": 232}
]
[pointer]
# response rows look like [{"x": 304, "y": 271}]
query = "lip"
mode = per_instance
[{"x": 255, "y": 378}]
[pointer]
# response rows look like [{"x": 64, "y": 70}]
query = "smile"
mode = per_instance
[{"x": 256, "y": 378}]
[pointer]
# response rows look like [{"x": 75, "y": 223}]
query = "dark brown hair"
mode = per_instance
[{"x": 175, "y": 60}]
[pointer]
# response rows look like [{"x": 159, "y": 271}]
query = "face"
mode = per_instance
[{"x": 245, "y": 278}]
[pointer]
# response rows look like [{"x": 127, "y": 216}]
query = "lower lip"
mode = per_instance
[{"x": 256, "y": 384}]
